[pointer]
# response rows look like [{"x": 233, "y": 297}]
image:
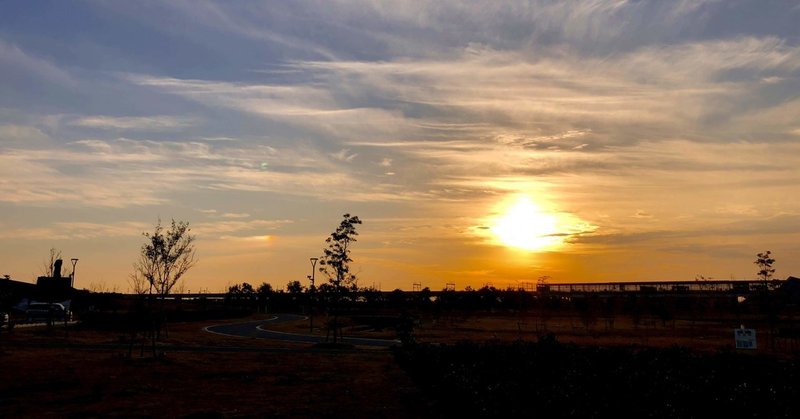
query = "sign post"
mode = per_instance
[{"x": 745, "y": 338}]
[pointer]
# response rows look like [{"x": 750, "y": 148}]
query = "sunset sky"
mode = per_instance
[{"x": 480, "y": 142}]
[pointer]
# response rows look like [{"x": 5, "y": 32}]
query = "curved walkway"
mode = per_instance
[{"x": 255, "y": 329}]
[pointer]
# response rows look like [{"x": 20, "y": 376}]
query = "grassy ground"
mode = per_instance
[
  {"x": 79, "y": 381},
  {"x": 87, "y": 373}
]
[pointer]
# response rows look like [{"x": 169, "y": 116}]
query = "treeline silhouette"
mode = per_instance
[{"x": 777, "y": 308}]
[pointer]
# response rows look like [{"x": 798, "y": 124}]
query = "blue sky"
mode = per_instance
[{"x": 662, "y": 135}]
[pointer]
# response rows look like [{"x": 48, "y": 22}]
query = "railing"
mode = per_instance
[{"x": 674, "y": 287}]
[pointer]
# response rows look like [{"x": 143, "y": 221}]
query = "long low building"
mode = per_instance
[{"x": 706, "y": 286}]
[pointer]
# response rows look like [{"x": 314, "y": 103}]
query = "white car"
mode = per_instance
[{"x": 45, "y": 311}]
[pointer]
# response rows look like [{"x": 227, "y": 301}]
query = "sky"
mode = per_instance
[{"x": 481, "y": 143}]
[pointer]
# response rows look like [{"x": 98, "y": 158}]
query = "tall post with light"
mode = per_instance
[
  {"x": 72, "y": 276},
  {"x": 313, "y": 289}
]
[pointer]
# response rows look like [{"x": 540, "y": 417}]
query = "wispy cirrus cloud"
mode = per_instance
[
  {"x": 485, "y": 92},
  {"x": 15, "y": 58},
  {"x": 78, "y": 230},
  {"x": 230, "y": 228},
  {"x": 140, "y": 123},
  {"x": 26, "y": 136},
  {"x": 97, "y": 173}
]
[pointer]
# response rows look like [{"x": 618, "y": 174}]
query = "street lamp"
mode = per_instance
[
  {"x": 72, "y": 276},
  {"x": 311, "y": 303}
]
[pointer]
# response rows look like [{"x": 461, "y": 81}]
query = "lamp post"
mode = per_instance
[
  {"x": 313, "y": 289},
  {"x": 72, "y": 276}
]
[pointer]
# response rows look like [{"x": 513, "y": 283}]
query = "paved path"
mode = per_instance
[{"x": 257, "y": 329}]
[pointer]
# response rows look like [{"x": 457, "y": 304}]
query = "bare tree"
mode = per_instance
[
  {"x": 138, "y": 283},
  {"x": 101, "y": 287},
  {"x": 47, "y": 264}
]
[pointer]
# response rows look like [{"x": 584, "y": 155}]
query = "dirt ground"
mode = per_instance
[{"x": 84, "y": 373}]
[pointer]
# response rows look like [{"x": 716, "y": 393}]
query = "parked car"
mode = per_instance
[{"x": 45, "y": 311}]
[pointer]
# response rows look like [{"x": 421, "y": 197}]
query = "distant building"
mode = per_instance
[
  {"x": 9, "y": 286},
  {"x": 47, "y": 288},
  {"x": 55, "y": 284}
]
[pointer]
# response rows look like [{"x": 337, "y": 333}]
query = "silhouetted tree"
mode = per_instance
[
  {"x": 325, "y": 290},
  {"x": 264, "y": 289},
  {"x": 243, "y": 289},
  {"x": 764, "y": 262},
  {"x": 371, "y": 295},
  {"x": 770, "y": 306},
  {"x": 139, "y": 284},
  {"x": 47, "y": 264},
  {"x": 335, "y": 263},
  {"x": 163, "y": 260},
  {"x": 242, "y": 294},
  {"x": 263, "y": 292},
  {"x": 294, "y": 287},
  {"x": 425, "y": 297},
  {"x": 165, "y": 257}
]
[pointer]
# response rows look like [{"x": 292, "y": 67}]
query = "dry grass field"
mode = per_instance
[
  {"x": 88, "y": 373},
  {"x": 83, "y": 377}
]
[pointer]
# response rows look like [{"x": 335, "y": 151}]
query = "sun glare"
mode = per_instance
[{"x": 523, "y": 225}]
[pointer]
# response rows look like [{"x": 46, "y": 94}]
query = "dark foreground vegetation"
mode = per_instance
[{"x": 554, "y": 380}]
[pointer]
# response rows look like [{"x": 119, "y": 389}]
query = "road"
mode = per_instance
[{"x": 258, "y": 329}]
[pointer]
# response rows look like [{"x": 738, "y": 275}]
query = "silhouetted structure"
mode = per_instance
[
  {"x": 731, "y": 287},
  {"x": 56, "y": 285},
  {"x": 16, "y": 289}
]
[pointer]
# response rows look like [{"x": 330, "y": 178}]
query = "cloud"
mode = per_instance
[
  {"x": 14, "y": 57},
  {"x": 275, "y": 100},
  {"x": 637, "y": 89},
  {"x": 557, "y": 102},
  {"x": 97, "y": 173},
  {"x": 145, "y": 123},
  {"x": 304, "y": 106},
  {"x": 264, "y": 238},
  {"x": 235, "y": 215},
  {"x": 344, "y": 155},
  {"x": 78, "y": 230},
  {"x": 228, "y": 228},
  {"x": 14, "y": 135},
  {"x": 714, "y": 232}
]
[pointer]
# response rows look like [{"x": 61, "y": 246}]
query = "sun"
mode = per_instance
[{"x": 523, "y": 225}]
